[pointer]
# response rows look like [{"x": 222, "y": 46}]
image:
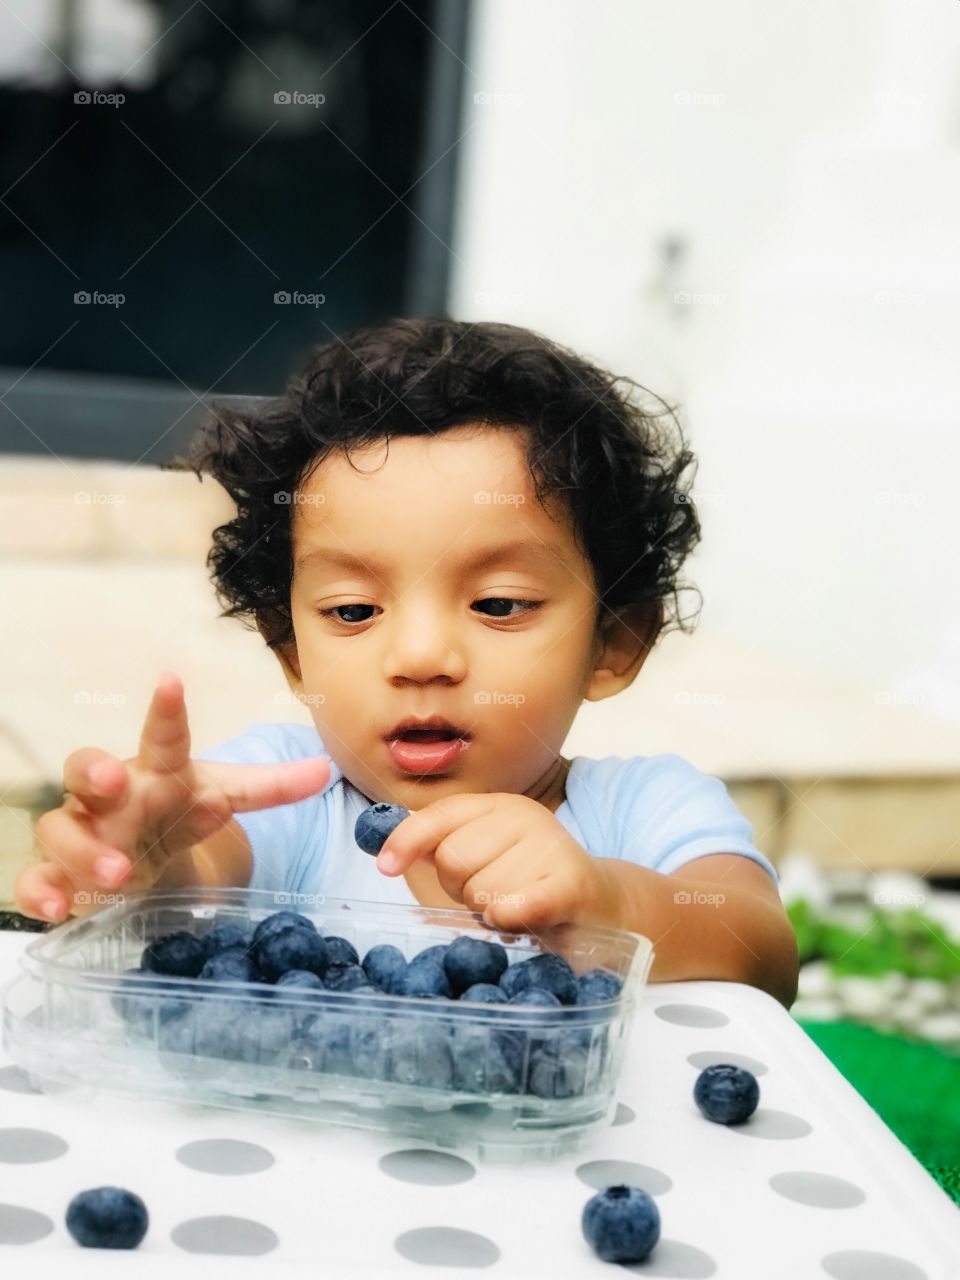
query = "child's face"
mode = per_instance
[{"x": 407, "y": 632}]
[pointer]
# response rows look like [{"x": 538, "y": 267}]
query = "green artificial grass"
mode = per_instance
[{"x": 914, "y": 1087}]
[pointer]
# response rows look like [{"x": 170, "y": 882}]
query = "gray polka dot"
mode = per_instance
[
  {"x": 674, "y": 1259},
  {"x": 821, "y": 1190},
  {"x": 427, "y": 1168},
  {"x": 861, "y": 1264},
  {"x": 624, "y": 1115},
  {"x": 16, "y": 1080},
  {"x": 691, "y": 1015},
  {"x": 711, "y": 1057},
  {"x": 446, "y": 1247},
  {"x": 601, "y": 1174},
  {"x": 773, "y": 1124},
  {"x": 22, "y": 1226},
  {"x": 30, "y": 1146},
  {"x": 225, "y": 1155},
  {"x": 224, "y": 1235}
]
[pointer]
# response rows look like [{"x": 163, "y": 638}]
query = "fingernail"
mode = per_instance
[
  {"x": 108, "y": 869},
  {"x": 388, "y": 862},
  {"x": 51, "y": 909}
]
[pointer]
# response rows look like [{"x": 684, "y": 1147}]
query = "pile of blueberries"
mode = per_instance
[{"x": 560, "y": 1053}]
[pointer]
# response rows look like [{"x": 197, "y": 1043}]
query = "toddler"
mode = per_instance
[{"x": 450, "y": 535}]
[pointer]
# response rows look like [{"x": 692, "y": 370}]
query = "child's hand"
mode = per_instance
[
  {"x": 504, "y": 855},
  {"x": 124, "y": 820}
]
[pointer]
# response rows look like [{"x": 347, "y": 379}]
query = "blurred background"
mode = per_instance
[{"x": 751, "y": 208}]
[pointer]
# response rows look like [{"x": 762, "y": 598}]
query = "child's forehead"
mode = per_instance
[
  {"x": 462, "y": 492},
  {"x": 461, "y": 453}
]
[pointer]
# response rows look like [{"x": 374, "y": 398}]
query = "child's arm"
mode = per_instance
[
  {"x": 225, "y": 858},
  {"x": 716, "y": 917}
]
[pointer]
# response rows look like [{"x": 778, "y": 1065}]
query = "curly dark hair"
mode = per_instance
[{"x": 618, "y": 465}]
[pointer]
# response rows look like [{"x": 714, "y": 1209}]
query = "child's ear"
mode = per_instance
[{"x": 621, "y": 648}]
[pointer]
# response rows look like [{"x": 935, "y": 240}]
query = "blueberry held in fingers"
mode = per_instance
[{"x": 375, "y": 823}]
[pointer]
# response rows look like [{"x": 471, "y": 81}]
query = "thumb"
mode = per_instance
[{"x": 261, "y": 786}]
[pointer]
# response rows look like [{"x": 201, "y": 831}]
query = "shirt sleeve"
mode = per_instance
[
  {"x": 668, "y": 813},
  {"x": 286, "y": 837}
]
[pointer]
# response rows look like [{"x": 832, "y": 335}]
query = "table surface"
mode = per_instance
[{"x": 814, "y": 1184}]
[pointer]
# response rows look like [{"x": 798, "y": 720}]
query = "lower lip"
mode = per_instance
[{"x": 426, "y": 757}]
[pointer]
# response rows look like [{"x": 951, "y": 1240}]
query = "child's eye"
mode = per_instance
[
  {"x": 528, "y": 606},
  {"x": 329, "y": 613}
]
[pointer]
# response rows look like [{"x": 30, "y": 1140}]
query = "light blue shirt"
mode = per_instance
[{"x": 656, "y": 811}]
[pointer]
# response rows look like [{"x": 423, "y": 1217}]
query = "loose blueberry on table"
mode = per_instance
[
  {"x": 107, "y": 1218},
  {"x": 726, "y": 1094},
  {"x": 621, "y": 1224}
]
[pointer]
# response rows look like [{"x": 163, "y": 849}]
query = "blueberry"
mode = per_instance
[
  {"x": 290, "y": 947},
  {"x": 436, "y": 952},
  {"x": 136, "y": 998},
  {"x": 537, "y": 996},
  {"x": 385, "y": 966},
  {"x": 107, "y": 1218},
  {"x": 233, "y": 964},
  {"x": 471, "y": 960},
  {"x": 344, "y": 977},
  {"x": 548, "y": 971},
  {"x": 223, "y": 935},
  {"x": 421, "y": 1055},
  {"x": 217, "y": 1028},
  {"x": 369, "y": 1049},
  {"x": 596, "y": 986},
  {"x": 726, "y": 1094},
  {"x": 375, "y": 823},
  {"x": 280, "y": 920},
  {"x": 621, "y": 1224},
  {"x": 426, "y": 976},
  {"x": 340, "y": 951},
  {"x": 485, "y": 993},
  {"x": 264, "y": 1035},
  {"x": 179, "y": 954},
  {"x": 487, "y": 1061},
  {"x": 558, "y": 1075},
  {"x": 301, "y": 978}
]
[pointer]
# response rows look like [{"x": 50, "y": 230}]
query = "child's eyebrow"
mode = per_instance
[{"x": 546, "y": 553}]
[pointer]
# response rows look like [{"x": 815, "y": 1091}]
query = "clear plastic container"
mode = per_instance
[{"x": 508, "y": 1082}]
